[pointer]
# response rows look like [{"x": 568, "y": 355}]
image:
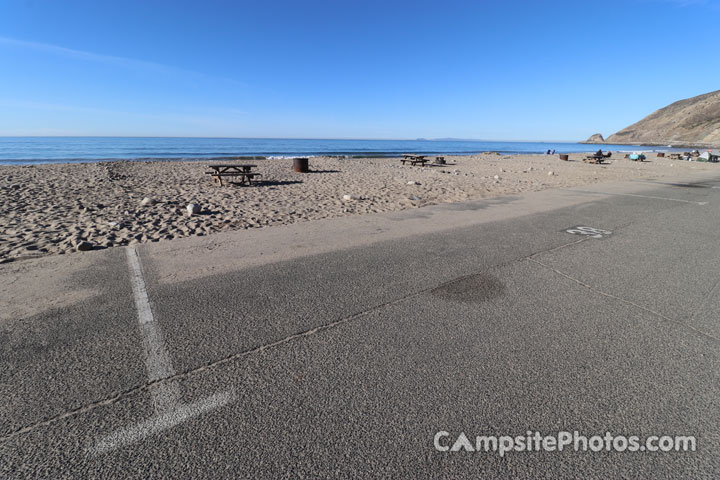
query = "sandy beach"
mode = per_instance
[{"x": 50, "y": 209}]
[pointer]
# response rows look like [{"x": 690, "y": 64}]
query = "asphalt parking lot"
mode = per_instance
[{"x": 596, "y": 316}]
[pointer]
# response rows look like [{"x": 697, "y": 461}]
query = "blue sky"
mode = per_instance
[{"x": 492, "y": 70}]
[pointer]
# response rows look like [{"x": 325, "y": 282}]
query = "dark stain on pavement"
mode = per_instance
[
  {"x": 682, "y": 185},
  {"x": 411, "y": 215},
  {"x": 480, "y": 205},
  {"x": 472, "y": 289}
]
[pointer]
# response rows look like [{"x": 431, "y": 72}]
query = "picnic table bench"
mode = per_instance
[
  {"x": 414, "y": 159},
  {"x": 243, "y": 171},
  {"x": 594, "y": 159}
]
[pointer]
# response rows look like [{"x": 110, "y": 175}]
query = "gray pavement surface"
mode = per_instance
[{"x": 345, "y": 359}]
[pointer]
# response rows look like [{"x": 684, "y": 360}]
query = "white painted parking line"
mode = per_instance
[
  {"x": 157, "y": 424},
  {"x": 663, "y": 198},
  {"x": 157, "y": 361},
  {"x": 169, "y": 411},
  {"x": 641, "y": 196}
]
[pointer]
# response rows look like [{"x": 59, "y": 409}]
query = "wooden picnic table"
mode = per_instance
[
  {"x": 414, "y": 159},
  {"x": 597, "y": 158},
  {"x": 233, "y": 170}
]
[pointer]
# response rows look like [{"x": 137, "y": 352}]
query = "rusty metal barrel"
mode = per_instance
[
  {"x": 301, "y": 165},
  {"x": 564, "y": 156},
  {"x": 661, "y": 154}
]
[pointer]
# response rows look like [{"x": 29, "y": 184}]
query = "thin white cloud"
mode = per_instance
[
  {"x": 30, "y": 105},
  {"x": 686, "y": 3},
  {"x": 683, "y": 3},
  {"x": 124, "y": 62},
  {"x": 203, "y": 115}
]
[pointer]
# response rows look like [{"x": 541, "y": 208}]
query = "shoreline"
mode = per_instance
[
  {"x": 52, "y": 208},
  {"x": 334, "y": 155},
  {"x": 20, "y": 162}
]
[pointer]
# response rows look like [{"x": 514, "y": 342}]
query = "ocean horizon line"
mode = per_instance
[{"x": 419, "y": 139}]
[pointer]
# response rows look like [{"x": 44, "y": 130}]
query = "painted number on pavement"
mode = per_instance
[{"x": 589, "y": 231}]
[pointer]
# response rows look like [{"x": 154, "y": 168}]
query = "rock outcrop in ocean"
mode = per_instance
[{"x": 597, "y": 138}]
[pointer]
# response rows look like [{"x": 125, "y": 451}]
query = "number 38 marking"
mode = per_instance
[{"x": 593, "y": 232}]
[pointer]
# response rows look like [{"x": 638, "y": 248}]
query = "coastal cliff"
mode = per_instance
[{"x": 691, "y": 122}]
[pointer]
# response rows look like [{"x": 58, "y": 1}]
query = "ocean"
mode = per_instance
[{"x": 35, "y": 150}]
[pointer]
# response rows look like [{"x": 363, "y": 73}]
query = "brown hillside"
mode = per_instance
[{"x": 694, "y": 121}]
